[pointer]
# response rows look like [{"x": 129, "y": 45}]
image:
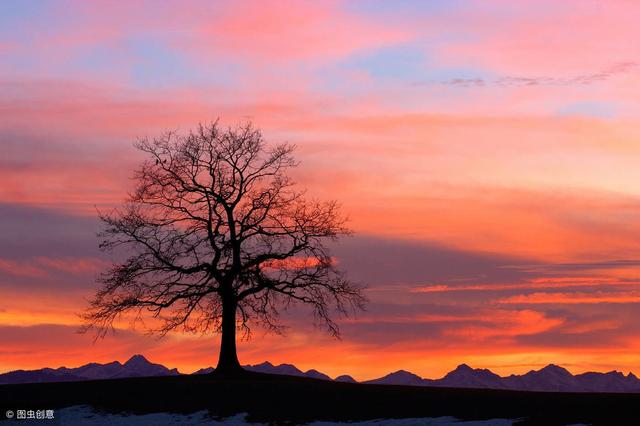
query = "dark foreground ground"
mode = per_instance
[{"x": 293, "y": 400}]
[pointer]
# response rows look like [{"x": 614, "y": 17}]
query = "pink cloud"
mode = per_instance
[
  {"x": 40, "y": 267},
  {"x": 20, "y": 268},
  {"x": 280, "y": 30},
  {"x": 440, "y": 180},
  {"x": 531, "y": 39},
  {"x": 72, "y": 265}
]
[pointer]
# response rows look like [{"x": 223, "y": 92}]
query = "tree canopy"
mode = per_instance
[{"x": 215, "y": 236}]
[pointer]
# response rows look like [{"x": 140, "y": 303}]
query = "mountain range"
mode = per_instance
[
  {"x": 136, "y": 366},
  {"x": 550, "y": 378}
]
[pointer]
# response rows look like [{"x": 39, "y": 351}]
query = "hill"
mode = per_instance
[{"x": 294, "y": 400}]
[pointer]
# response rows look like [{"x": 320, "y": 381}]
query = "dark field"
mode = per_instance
[{"x": 293, "y": 400}]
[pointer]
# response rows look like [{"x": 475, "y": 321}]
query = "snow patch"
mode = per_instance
[{"x": 84, "y": 414}]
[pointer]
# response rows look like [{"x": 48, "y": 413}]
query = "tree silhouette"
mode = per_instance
[{"x": 217, "y": 237}]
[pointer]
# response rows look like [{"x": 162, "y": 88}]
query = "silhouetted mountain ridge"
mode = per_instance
[
  {"x": 550, "y": 378},
  {"x": 136, "y": 366},
  {"x": 398, "y": 377}
]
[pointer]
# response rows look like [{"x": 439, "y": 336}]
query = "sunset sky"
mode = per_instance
[{"x": 486, "y": 152}]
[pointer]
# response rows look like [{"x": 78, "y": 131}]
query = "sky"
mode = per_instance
[{"x": 486, "y": 153}]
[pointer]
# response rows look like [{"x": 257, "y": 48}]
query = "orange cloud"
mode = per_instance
[
  {"x": 297, "y": 262},
  {"x": 552, "y": 282},
  {"x": 574, "y": 298},
  {"x": 504, "y": 324}
]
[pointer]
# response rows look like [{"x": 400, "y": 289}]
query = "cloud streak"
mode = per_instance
[
  {"x": 521, "y": 81},
  {"x": 573, "y": 298}
]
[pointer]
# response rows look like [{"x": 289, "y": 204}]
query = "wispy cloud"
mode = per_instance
[
  {"x": 43, "y": 266},
  {"x": 579, "y": 298},
  {"x": 522, "y": 81},
  {"x": 542, "y": 283}
]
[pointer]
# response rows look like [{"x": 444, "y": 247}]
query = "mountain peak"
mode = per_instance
[
  {"x": 400, "y": 377},
  {"x": 137, "y": 360},
  {"x": 463, "y": 367},
  {"x": 345, "y": 378},
  {"x": 463, "y": 370},
  {"x": 263, "y": 364},
  {"x": 465, "y": 376},
  {"x": 552, "y": 367},
  {"x": 555, "y": 369},
  {"x": 315, "y": 374},
  {"x": 403, "y": 373}
]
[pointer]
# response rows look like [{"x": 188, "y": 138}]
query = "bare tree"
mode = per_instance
[{"x": 216, "y": 238}]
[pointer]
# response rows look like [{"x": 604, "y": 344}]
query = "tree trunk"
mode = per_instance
[{"x": 228, "y": 361}]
